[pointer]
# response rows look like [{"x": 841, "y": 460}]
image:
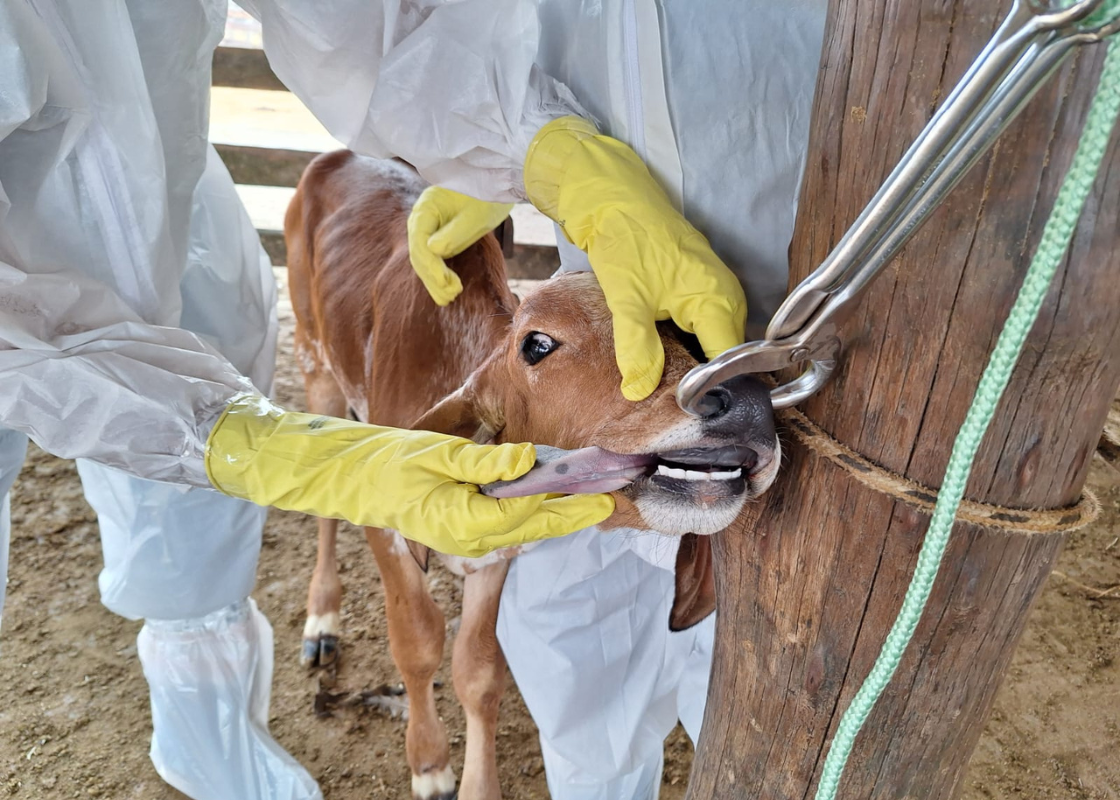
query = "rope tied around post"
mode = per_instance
[
  {"x": 924, "y": 498},
  {"x": 1055, "y": 240}
]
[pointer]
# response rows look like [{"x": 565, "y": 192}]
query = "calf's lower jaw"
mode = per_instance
[{"x": 644, "y": 507}]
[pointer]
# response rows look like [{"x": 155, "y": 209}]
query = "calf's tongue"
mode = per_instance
[{"x": 590, "y": 470}]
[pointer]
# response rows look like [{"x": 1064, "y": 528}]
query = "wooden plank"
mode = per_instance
[
  {"x": 268, "y": 204},
  {"x": 273, "y": 244},
  {"x": 264, "y": 165},
  {"x": 257, "y": 118},
  {"x": 527, "y": 262},
  {"x": 244, "y": 68},
  {"x": 809, "y": 584},
  {"x": 532, "y": 262},
  {"x": 532, "y": 227}
]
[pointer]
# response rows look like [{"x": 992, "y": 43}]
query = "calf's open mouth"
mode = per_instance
[
  {"x": 706, "y": 463},
  {"x": 701, "y": 471}
]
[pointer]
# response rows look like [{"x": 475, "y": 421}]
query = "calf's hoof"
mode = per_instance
[
  {"x": 434, "y": 785},
  {"x": 321, "y": 652},
  {"x": 320, "y": 640}
]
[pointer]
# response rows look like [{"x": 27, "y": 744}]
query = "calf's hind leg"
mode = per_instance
[
  {"x": 479, "y": 671},
  {"x": 323, "y": 627},
  {"x": 416, "y": 634}
]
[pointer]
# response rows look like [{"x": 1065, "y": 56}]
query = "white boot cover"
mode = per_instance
[{"x": 209, "y": 680}]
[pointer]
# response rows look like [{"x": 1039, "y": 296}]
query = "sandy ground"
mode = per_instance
[{"x": 75, "y": 722}]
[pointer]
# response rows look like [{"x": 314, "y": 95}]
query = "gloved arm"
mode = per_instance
[
  {"x": 651, "y": 263},
  {"x": 84, "y": 377},
  {"x": 452, "y": 88},
  {"x": 420, "y": 483}
]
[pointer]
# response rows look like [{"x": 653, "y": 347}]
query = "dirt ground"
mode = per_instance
[{"x": 74, "y": 721}]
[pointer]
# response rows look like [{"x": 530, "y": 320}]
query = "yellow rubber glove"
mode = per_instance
[
  {"x": 443, "y": 224},
  {"x": 423, "y": 484},
  {"x": 651, "y": 263}
]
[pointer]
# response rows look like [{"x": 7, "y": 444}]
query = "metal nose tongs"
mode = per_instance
[{"x": 1030, "y": 44}]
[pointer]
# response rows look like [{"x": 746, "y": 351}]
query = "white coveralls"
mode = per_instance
[
  {"x": 715, "y": 96},
  {"x": 134, "y": 295}
]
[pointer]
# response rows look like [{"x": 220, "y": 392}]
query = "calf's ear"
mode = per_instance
[
  {"x": 473, "y": 411},
  {"x": 695, "y": 595}
]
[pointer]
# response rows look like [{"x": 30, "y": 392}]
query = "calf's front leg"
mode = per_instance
[
  {"x": 478, "y": 670},
  {"x": 324, "y": 596},
  {"x": 416, "y": 634}
]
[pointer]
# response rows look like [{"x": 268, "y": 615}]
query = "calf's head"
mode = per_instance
[{"x": 554, "y": 381}]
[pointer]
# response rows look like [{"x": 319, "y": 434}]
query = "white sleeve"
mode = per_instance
[
  {"x": 91, "y": 364},
  {"x": 84, "y": 377},
  {"x": 450, "y": 88}
]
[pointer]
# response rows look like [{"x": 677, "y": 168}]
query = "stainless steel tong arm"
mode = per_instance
[{"x": 1029, "y": 45}]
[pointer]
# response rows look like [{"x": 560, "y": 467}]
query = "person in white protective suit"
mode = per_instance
[
  {"x": 137, "y": 334},
  {"x": 566, "y": 104}
]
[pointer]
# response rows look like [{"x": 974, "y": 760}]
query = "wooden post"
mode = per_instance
[{"x": 807, "y": 591}]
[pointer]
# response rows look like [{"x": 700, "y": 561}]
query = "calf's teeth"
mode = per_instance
[
  {"x": 670, "y": 472},
  {"x": 726, "y": 476},
  {"x": 697, "y": 475}
]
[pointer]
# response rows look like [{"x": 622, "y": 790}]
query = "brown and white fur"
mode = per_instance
[{"x": 369, "y": 339}]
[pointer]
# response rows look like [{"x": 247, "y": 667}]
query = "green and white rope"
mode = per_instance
[{"x": 1051, "y": 249}]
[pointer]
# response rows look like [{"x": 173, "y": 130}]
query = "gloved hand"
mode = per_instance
[
  {"x": 419, "y": 483},
  {"x": 651, "y": 263},
  {"x": 443, "y": 224}
]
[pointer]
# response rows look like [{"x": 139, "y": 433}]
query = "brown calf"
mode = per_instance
[{"x": 369, "y": 339}]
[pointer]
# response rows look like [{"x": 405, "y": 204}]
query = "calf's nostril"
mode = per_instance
[
  {"x": 715, "y": 403},
  {"x": 740, "y": 407}
]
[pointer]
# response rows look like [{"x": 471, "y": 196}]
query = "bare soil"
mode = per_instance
[{"x": 75, "y": 722}]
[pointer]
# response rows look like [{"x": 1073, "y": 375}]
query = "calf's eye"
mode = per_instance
[{"x": 536, "y": 346}]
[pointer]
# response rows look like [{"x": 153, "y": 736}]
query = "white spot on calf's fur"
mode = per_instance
[
  {"x": 313, "y": 357},
  {"x": 307, "y": 358},
  {"x": 399, "y": 546},
  {"x": 462, "y": 566},
  {"x": 434, "y": 784},
  {"x": 319, "y": 625}
]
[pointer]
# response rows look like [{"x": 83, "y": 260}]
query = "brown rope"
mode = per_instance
[{"x": 882, "y": 480}]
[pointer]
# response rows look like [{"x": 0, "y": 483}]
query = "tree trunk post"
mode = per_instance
[{"x": 809, "y": 583}]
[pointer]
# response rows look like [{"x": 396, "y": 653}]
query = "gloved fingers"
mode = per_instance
[
  {"x": 467, "y": 227},
  {"x": 638, "y": 349},
  {"x": 442, "y": 284},
  {"x": 544, "y": 517},
  {"x": 482, "y": 463},
  {"x": 718, "y": 322},
  {"x": 711, "y": 303}
]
